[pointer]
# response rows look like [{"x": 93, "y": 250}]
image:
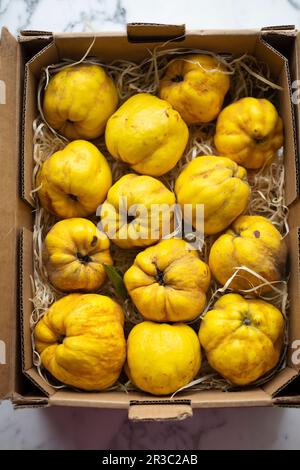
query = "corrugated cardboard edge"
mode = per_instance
[
  {"x": 30, "y": 401},
  {"x": 288, "y": 402},
  {"x": 281, "y": 29},
  {"x": 33, "y": 33},
  {"x": 9, "y": 133},
  {"x": 144, "y": 32}
]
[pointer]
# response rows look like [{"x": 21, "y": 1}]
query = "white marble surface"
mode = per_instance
[
  {"x": 69, "y": 428},
  {"x": 75, "y": 428},
  {"x": 85, "y": 15}
]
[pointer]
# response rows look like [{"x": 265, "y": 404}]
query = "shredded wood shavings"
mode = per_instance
[{"x": 249, "y": 77}]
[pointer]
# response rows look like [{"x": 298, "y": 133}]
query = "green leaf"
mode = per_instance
[{"x": 117, "y": 281}]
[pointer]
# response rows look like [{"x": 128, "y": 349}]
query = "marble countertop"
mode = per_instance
[
  {"x": 93, "y": 15},
  {"x": 70, "y": 428}
]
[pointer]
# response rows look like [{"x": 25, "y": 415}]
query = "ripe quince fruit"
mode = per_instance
[
  {"x": 220, "y": 185},
  {"x": 74, "y": 253},
  {"x": 81, "y": 341},
  {"x": 162, "y": 358},
  {"x": 79, "y": 100},
  {"x": 74, "y": 181},
  {"x": 195, "y": 86},
  {"x": 168, "y": 282},
  {"x": 137, "y": 210},
  {"x": 147, "y": 134},
  {"x": 254, "y": 242},
  {"x": 249, "y": 132},
  {"x": 242, "y": 338}
]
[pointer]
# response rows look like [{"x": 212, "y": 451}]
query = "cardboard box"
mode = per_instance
[{"x": 20, "y": 64}]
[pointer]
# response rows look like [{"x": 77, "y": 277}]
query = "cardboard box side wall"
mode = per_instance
[
  {"x": 9, "y": 118},
  {"x": 111, "y": 46}
]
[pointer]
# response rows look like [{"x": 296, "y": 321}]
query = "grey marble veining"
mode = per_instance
[
  {"x": 93, "y": 15},
  {"x": 70, "y": 428},
  {"x": 63, "y": 15},
  {"x": 88, "y": 20},
  {"x": 295, "y": 4}
]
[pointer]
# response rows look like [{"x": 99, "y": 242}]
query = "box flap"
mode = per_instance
[
  {"x": 39, "y": 382},
  {"x": 33, "y": 41},
  {"x": 121, "y": 400},
  {"x": 163, "y": 410},
  {"x": 28, "y": 401},
  {"x": 33, "y": 33},
  {"x": 9, "y": 131},
  {"x": 144, "y": 32},
  {"x": 280, "y": 381}
]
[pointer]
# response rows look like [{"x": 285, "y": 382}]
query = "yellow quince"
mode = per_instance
[
  {"x": 195, "y": 86},
  {"x": 242, "y": 338},
  {"x": 137, "y": 211},
  {"x": 79, "y": 100},
  {"x": 217, "y": 183},
  {"x": 168, "y": 282},
  {"x": 249, "y": 132},
  {"x": 81, "y": 341},
  {"x": 74, "y": 181},
  {"x": 254, "y": 242},
  {"x": 147, "y": 134},
  {"x": 162, "y": 358},
  {"x": 74, "y": 253}
]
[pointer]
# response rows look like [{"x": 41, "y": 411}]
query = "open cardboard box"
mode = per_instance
[{"x": 20, "y": 64}]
